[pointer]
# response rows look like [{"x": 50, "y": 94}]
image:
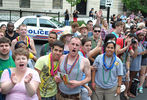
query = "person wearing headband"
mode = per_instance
[{"x": 107, "y": 74}]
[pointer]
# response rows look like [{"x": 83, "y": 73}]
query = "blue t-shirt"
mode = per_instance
[{"x": 116, "y": 71}]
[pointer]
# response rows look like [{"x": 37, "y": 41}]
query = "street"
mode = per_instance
[{"x": 143, "y": 96}]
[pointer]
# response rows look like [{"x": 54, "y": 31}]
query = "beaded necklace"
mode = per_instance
[
  {"x": 108, "y": 68},
  {"x": 72, "y": 66},
  {"x": 52, "y": 68}
]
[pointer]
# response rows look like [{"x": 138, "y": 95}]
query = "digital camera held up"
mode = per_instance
[{"x": 133, "y": 41}]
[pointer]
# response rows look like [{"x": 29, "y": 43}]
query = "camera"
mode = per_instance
[{"x": 133, "y": 41}]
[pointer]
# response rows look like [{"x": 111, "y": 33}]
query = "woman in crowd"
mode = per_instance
[
  {"x": 104, "y": 29},
  {"x": 75, "y": 15},
  {"x": 99, "y": 49},
  {"x": 20, "y": 83},
  {"x": 128, "y": 23},
  {"x": 135, "y": 65},
  {"x": 107, "y": 74},
  {"x": 3, "y": 28},
  {"x": 32, "y": 57},
  {"x": 86, "y": 92},
  {"x": 66, "y": 17},
  {"x": 143, "y": 61}
]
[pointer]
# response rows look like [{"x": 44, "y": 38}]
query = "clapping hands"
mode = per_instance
[
  {"x": 13, "y": 78},
  {"x": 28, "y": 78}
]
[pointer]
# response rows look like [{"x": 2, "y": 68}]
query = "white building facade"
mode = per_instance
[{"x": 61, "y": 6}]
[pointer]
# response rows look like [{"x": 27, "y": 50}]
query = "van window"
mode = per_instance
[
  {"x": 46, "y": 23},
  {"x": 30, "y": 22}
]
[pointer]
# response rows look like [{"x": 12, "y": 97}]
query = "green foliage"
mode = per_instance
[
  {"x": 74, "y": 2},
  {"x": 135, "y": 5},
  {"x": 79, "y": 22}
]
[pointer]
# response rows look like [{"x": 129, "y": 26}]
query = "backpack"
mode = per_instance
[{"x": 134, "y": 86}]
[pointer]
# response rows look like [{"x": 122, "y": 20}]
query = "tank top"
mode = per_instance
[{"x": 76, "y": 74}]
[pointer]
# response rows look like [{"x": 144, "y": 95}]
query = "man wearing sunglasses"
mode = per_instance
[{"x": 96, "y": 35}]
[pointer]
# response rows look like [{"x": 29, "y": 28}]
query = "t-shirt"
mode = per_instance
[
  {"x": 136, "y": 62},
  {"x": 19, "y": 92},
  {"x": 13, "y": 37},
  {"x": 123, "y": 17},
  {"x": 4, "y": 64},
  {"x": 48, "y": 86},
  {"x": 116, "y": 71},
  {"x": 94, "y": 42},
  {"x": 120, "y": 42},
  {"x": 31, "y": 56},
  {"x": 45, "y": 49},
  {"x": 115, "y": 34}
]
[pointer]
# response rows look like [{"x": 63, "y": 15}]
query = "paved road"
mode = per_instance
[{"x": 139, "y": 97}]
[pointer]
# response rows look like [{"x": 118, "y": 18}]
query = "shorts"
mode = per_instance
[{"x": 144, "y": 61}]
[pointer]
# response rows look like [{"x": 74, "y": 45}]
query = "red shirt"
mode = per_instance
[{"x": 119, "y": 42}]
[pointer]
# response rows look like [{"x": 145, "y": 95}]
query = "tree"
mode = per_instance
[{"x": 135, "y": 5}]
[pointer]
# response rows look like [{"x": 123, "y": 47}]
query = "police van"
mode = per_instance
[{"x": 39, "y": 27}]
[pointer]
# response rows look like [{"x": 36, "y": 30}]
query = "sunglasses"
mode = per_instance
[{"x": 97, "y": 30}]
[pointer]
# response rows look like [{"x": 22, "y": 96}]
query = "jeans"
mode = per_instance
[{"x": 66, "y": 22}]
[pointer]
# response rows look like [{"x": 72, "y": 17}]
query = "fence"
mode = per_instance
[{"x": 14, "y": 15}]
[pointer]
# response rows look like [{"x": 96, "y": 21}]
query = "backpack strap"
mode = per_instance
[{"x": 9, "y": 72}]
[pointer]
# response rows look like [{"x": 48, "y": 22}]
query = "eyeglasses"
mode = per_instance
[{"x": 97, "y": 30}]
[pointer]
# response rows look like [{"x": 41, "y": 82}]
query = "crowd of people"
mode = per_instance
[{"x": 90, "y": 62}]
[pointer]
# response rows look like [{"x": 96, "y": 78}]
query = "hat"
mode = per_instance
[
  {"x": 83, "y": 26},
  {"x": 65, "y": 33},
  {"x": 138, "y": 32}
]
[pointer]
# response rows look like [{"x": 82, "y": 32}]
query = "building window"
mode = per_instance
[
  {"x": 1, "y": 3},
  {"x": 24, "y": 3},
  {"x": 57, "y": 4},
  {"x": 102, "y": 4}
]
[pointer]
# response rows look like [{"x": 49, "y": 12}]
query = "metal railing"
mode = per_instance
[{"x": 14, "y": 15}]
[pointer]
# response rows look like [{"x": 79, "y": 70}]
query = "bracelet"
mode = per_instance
[{"x": 118, "y": 86}]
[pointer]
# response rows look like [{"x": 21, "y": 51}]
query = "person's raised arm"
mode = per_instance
[
  {"x": 31, "y": 85},
  {"x": 33, "y": 50}
]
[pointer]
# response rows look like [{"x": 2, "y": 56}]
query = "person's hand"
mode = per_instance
[
  {"x": 99, "y": 43},
  {"x": 118, "y": 91},
  {"x": 129, "y": 43},
  {"x": 99, "y": 14},
  {"x": 28, "y": 78},
  {"x": 89, "y": 92},
  {"x": 93, "y": 86},
  {"x": 73, "y": 83},
  {"x": 135, "y": 45},
  {"x": 57, "y": 79},
  {"x": 13, "y": 78}
]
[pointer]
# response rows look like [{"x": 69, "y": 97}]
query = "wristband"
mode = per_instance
[{"x": 118, "y": 86}]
